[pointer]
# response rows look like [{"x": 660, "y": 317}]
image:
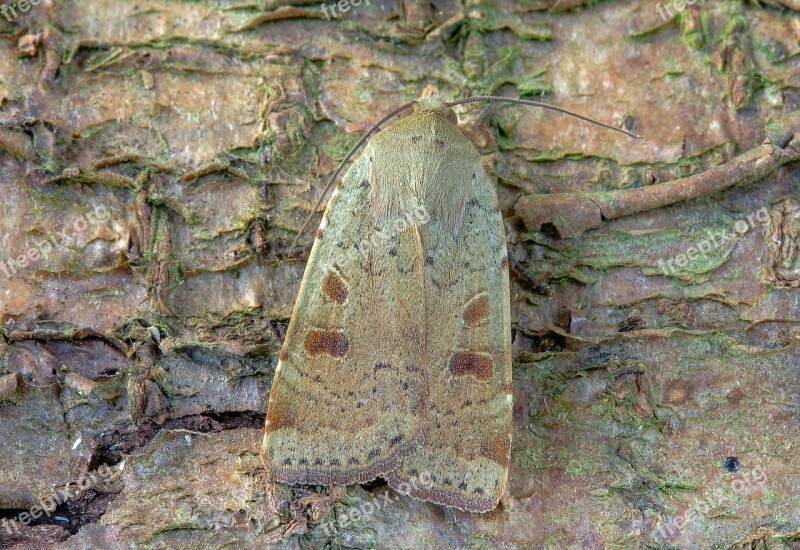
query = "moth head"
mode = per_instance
[{"x": 432, "y": 101}]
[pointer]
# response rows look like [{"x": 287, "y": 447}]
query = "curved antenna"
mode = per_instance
[
  {"x": 499, "y": 99},
  {"x": 341, "y": 166}
]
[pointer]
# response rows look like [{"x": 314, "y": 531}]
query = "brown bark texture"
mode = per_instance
[{"x": 158, "y": 157}]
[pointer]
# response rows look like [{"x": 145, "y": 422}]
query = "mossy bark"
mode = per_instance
[{"x": 158, "y": 157}]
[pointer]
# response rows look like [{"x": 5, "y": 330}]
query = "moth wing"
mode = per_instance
[
  {"x": 464, "y": 460},
  {"x": 349, "y": 395}
]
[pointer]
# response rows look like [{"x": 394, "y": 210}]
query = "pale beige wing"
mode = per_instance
[
  {"x": 464, "y": 460},
  {"x": 348, "y": 399}
]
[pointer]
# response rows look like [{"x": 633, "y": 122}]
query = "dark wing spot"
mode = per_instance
[
  {"x": 354, "y": 460},
  {"x": 280, "y": 414},
  {"x": 373, "y": 453},
  {"x": 428, "y": 260},
  {"x": 439, "y": 143},
  {"x": 302, "y": 461},
  {"x": 496, "y": 449},
  {"x": 287, "y": 461},
  {"x": 393, "y": 252},
  {"x": 395, "y": 440},
  {"x": 473, "y": 202},
  {"x": 479, "y": 490},
  {"x": 365, "y": 182},
  {"x": 447, "y": 481},
  {"x": 326, "y": 341},
  {"x": 334, "y": 287},
  {"x": 334, "y": 462},
  {"x": 477, "y": 310},
  {"x": 415, "y": 139},
  {"x": 478, "y": 365},
  {"x": 462, "y": 486},
  {"x": 378, "y": 366},
  {"x": 317, "y": 462}
]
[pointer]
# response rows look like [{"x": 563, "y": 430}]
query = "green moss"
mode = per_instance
[
  {"x": 774, "y": 51},
  {"x": 176, "y": 272},
  {"x": 484, "y": 17},
  {"x": 695, "y": 30},
  {"x": 534, "y": 84},
  {"x": 577, "y": 468}
]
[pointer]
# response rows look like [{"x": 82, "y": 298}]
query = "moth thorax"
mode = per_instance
[{"x": 435, "y": 103}]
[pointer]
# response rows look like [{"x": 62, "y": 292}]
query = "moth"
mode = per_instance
[{"x": 397, "y": 358}]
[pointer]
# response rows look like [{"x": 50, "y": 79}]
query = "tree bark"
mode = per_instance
[{"x": 158, "y": 157}]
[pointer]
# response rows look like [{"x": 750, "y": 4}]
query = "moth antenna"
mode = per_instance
[
  {"x": 499, "y": 99},
  {"x": 342, "y": 164}
]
